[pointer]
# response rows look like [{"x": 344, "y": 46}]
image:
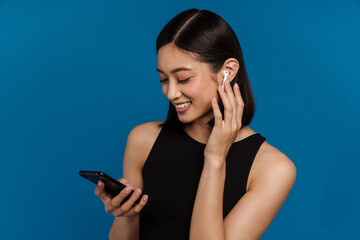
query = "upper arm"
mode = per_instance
[
  {"x": 132, "y": 158},
  {"x": 139, "y": 140},
  {"x": 139, "y": 143},
  {"x": 254, "y": 212}
]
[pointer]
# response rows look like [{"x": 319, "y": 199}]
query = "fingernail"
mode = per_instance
[
  {"x": 137, "y": 193},
  {"x": 145, "y": 198},
  {"x": 127, "y": 190},
  {"x": 99, "y": 183},
  {"x": 227, "y": 83},
  {"x": 214, "y": 100},
  {"x": 236, "y": 85},
  {"x": 222, "y": 88}
]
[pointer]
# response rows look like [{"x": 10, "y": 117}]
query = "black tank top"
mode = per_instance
[{"x": 171, "y": 176}]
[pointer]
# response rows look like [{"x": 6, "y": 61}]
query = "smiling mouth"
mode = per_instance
[{"x": 183, "y": 105}]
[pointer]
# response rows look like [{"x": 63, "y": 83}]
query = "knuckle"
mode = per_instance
[
  {"x": 115, "y": 202},
  {"x": 107, "y": 209},
  {"x": 123, "y": 194},
  {"x": 134, "y": 196},
  {"x": 142, "y": 203},
  {"x": 124, "y": 208},
  {"x": 118, "y": 213},
  {"x": 97, "y": 191}
]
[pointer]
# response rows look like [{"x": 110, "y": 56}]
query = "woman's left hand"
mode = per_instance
[{"x": 224, "y": 131}]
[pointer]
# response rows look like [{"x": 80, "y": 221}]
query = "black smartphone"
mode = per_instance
[{"x": 112, "y": 186}]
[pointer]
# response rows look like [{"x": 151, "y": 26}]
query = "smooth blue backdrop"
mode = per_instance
[{"x": 76, "y": 76}]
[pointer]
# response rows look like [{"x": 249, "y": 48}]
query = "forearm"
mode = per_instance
[
  {"x": 125, "y": 228},
  {"x": 207, "y": 216}
]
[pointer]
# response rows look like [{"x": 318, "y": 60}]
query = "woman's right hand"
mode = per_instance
[{"x": 112, "y": 205}]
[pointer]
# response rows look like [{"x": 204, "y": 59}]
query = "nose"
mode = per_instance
[{"x": 173, "y": 91}]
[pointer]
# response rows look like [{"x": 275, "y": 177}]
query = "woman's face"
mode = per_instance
[{"x": 198, "y": 89}]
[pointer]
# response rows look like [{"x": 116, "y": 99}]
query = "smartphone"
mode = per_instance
[{"x": 112, "y": 186}]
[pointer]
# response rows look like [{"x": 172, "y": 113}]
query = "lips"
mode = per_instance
[{"x": 184, "y": 109}]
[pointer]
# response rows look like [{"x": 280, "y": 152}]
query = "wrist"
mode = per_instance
[
  {"x": 215, "y": 162},
  {"x": 127, "y": 218}
]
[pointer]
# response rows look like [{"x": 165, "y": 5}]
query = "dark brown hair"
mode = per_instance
[{"x": 210, "y": 38}]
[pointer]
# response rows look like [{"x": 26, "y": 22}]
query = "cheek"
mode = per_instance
[
  {"x": 164, "y": 89},
  {"x": 203, "y": 92}
]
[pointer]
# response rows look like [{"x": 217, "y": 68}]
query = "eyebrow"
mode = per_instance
[{"x": 175, "y": 70}]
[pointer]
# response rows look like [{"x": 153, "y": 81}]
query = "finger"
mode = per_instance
[
  {"x": 231, "y": 96},
  {"x": 123, "y": 181},
  {"x": 227, "y": 107},
  {"x": 136, "y": 209},
  {"x": 217, "y": 113},
  {"x": 101, "y": 193},
  {"x": 240, "y": 104},
  {"x": 117, "y": 200},
  {"x": 128, "y": 204},
  {"x": 141, "y": 204}
]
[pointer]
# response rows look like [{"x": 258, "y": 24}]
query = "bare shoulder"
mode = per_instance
[
  {"x": 271, "y": 164},
  {"x": 145, "y": 135}
]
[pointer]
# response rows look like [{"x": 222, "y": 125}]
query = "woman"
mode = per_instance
[{"x": 206, "y": 173}]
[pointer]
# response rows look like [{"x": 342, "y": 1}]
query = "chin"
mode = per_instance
[{"x": 185, "y": 120}]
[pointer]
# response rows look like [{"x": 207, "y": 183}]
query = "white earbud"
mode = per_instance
[{"x": 226, "y": 74}]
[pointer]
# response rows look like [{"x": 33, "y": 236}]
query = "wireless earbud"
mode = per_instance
[{"x": 226, "y": 74}]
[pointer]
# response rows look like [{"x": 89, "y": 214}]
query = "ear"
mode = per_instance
[{"x": 232, "y": 65}]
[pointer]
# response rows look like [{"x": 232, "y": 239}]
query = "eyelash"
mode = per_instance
[{"x": 180, "y": 81}]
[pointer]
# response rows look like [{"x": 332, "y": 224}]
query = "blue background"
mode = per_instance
[{"x": 76, "y": 76}]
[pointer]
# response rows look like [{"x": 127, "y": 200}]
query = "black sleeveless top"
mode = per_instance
[{"x": 171, "y": 175}]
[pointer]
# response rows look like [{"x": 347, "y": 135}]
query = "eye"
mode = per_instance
[
  {"x": 180, "y": 81},
  {"x": 184, "y": 81}
]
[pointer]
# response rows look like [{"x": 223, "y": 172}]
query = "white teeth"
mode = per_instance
[{"x": 182, "y": 105}]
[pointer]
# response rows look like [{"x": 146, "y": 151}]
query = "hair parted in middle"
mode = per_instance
[{"x": 208, "y": 38}]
